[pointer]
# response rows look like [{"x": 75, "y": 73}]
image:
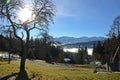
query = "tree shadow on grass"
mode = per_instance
[
  {"x": 3, "y": 63},
  {"x": 22, "y": 75},
  {"x": 9, "y": 76}
]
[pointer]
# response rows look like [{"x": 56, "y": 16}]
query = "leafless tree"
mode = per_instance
[
  {"x": 115, "y": 28},
  {"x": 42, "y": 15}
]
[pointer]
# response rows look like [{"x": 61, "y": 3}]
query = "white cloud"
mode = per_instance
[
  {"x": 62, "y": 11},
  {"x": 63, "y": 8}
]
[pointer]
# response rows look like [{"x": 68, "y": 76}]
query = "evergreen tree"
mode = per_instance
[
  {"x": 98, "y": 51},
  {"x": 60, "y": 57},
  {"x": 79, "y": 57}
]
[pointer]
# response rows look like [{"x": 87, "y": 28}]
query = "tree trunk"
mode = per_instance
[
  {"x": 23, "y": 60},
  {"x": 9, "y": 58},
  {"x": 108, "y": 66}
]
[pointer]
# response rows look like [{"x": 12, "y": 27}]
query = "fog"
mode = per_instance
[{"x": 75, "y": 50}]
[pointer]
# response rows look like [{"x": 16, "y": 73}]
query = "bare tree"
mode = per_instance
[
  {"x": 115, "y": 28},
  {"x": 42, "y": 12}
]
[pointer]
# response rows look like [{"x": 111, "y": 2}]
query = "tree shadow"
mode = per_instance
[
  {"x": 22, "y": 75},
  {"x": 9, "y": 76},
  {"x": 3, "y": 63}
]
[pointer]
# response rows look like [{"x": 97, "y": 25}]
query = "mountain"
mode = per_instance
[
  {"x": 67, "y": 40},
  {"x": 81, "y": 44}
]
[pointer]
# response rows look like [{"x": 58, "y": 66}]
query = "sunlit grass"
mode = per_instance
[
  {"x": 7, "y": 69},
  {"x": 40, "y": 71}
]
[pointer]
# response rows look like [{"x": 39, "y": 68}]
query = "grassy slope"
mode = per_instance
[{"x": 42, "y": 72}]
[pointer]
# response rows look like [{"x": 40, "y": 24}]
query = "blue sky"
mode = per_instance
[{"x": 77, "y": 18}]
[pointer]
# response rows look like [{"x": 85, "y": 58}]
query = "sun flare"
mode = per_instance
[{"x": 25, "y": 14}]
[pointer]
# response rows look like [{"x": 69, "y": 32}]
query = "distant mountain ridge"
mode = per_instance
[
  {"x": 81, "y": 44},
  {"x": 66, "y": 39}
]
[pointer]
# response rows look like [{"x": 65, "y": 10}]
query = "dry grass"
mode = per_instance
[{"x": 39, "y": 70}]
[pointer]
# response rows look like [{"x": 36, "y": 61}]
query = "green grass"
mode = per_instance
[{"x": 41, "y": 71}]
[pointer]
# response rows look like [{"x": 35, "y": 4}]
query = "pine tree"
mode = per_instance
[{"x": 79, "y": 58}]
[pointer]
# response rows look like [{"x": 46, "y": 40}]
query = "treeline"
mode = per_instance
[
  {"x": 109, "y": 51},
  {"x": 38, "y": 49},
  {"x": 82, "y": 56},
  {"x": 49, "y": 51},
  {"x": 43, "y": 49}
]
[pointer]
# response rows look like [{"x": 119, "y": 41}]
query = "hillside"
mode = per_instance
[{"x": 39, "y": 70}]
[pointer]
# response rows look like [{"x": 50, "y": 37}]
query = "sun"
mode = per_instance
[{"x": 25, "y": 14}]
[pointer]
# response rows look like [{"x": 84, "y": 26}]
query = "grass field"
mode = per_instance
[{"x": 36, "y": 70}]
